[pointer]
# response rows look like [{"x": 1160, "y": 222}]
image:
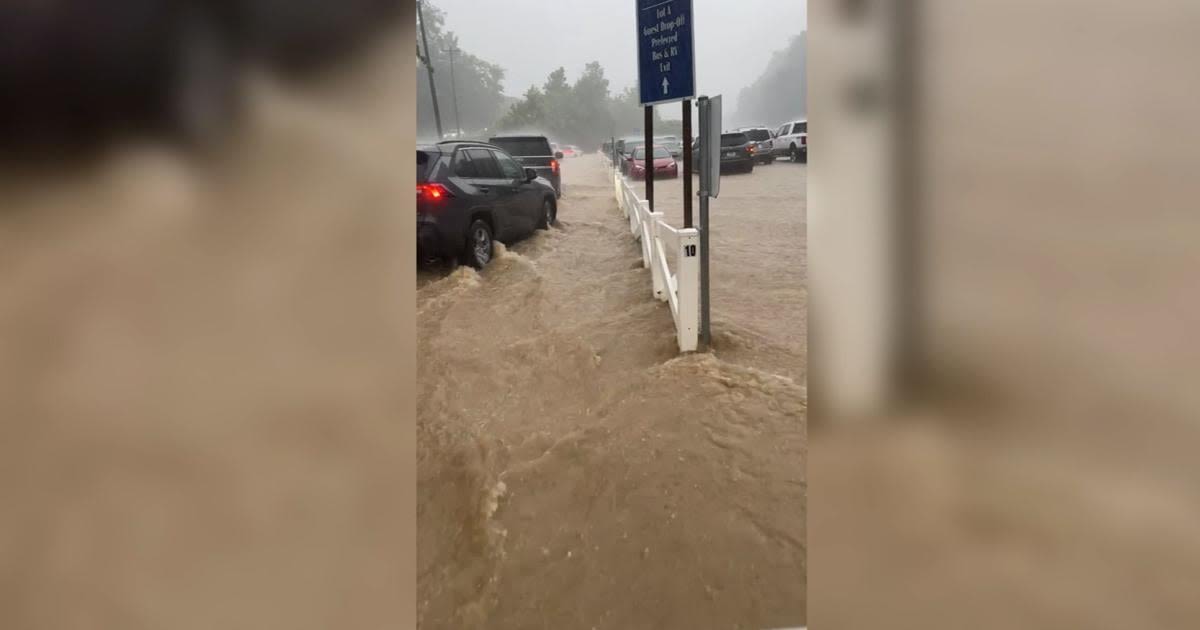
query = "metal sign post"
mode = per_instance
[
  {"x": 648, "y": 149},
  {"x": 710, "y": 185},
  {"x": 687, "y": 163}
]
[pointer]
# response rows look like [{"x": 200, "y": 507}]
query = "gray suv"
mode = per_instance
[
  {"x": 537, "y": 153},
  {"x": 762, "y": 138},
  {"x": 470, "y": 194}
]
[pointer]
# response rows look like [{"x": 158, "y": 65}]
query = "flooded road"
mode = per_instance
[{"x": 574, "y": 470}]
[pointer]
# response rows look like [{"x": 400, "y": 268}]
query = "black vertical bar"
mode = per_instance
[
  {"x": 437, "y": 113},
  {"x": 705, "y": 109},
  {"x": 687, "y": 163},
  {"x": 649, "y": 161}
]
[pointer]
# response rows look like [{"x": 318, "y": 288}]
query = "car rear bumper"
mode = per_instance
[
  {"x": 787, "y": 150},
  {"x": 435, "y": 239}
]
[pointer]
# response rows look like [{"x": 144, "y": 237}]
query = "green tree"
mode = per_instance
[
  {"x": 592, "y": 117},
  {"x": 559, "y": 104},
  {"x": 528, "y": 114},
  {"x": 583, "y": 113}
]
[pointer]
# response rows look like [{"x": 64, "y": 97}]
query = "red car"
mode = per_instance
[{"x": 664, "y": 165}]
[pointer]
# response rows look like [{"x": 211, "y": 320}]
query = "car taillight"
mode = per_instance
[
  {"x": 554, "y": 165},
  {"x": 432, "y": 192},
  {"x": 804, "y": 140},
  {"x": 750, "y": 149}
]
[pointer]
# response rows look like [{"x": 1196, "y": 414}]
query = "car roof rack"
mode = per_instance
[{"x": 473, "y": 143}]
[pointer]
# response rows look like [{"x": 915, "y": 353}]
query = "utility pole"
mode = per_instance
[
  {"x": 437, "y": 115},
  {"x": 453, "y": 86}
]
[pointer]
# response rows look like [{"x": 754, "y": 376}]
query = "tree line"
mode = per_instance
[{"x": 585, "y": 113}]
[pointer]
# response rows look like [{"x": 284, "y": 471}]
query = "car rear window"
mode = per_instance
[
  {"x": 800, "y": 127},
  {"x": 758, "y": 135},
  {"x": 524, "y": 147},
  {"x": 733, "y": 139},
  {"x": 659, "y": 153}
]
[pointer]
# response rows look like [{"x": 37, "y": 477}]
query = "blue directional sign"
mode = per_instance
[{"x": 666, "y": 51}]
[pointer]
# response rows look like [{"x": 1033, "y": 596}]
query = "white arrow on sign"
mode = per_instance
[{"x": 665, "y": 84}]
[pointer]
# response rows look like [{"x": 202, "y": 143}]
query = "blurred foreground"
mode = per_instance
[
  {"x": 203, "y": 370},
  {"x": 1034, "y": 468}
]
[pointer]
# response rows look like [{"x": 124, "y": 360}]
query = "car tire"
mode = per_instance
[
  {"x": 548, "y": 215},
  {"x": 480, "y": 244}
]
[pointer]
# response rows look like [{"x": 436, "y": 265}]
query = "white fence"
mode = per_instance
[{"x": 680, "y": 289}]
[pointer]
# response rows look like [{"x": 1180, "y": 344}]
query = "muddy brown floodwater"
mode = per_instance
[{"x": 574, "y": 470}]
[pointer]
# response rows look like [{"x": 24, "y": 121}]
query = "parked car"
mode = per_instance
[
  {"x": 536, "y": 153},
  {"x": 763, "y": 145},
  {"x": 470, "y": 194},
  {"x": 737, "y": 153},
  {"x": 625, "y": 150},
  {"x": 75, "y": 70},
  {"x": 673, "y": 144},
  {"x": 662, "y": 162},
  {"x": 791, "y": 141}
]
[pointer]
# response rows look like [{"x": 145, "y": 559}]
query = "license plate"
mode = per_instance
[{"x": 731, "y": 154}]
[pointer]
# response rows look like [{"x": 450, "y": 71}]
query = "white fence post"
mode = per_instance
[
  {"x": 659, "y": 282},
  {"x": 688, "y": 286},
  {"x": 645, "y": 217},
  {"x": 681, "y": 290},
  {"x": 619, "y": 193}
]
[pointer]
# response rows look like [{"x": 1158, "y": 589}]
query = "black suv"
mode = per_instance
[
  {"x": 534, "y": 152},
  {"x": 469, "y": 193},
  {"x": 737, "y": 151}
]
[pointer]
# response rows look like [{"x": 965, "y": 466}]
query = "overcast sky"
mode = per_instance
[{"x": 529, "y": 39}]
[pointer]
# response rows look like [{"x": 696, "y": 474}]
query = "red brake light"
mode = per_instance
[
  {"x": 803, "y": 139},
  {"x": 432, "y": 192},
  {"x": 554, "y": 165}
]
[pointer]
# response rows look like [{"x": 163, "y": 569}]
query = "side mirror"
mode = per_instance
[
  {"x": 558, "y": 155},
  {"x": 530, "y": 174}
]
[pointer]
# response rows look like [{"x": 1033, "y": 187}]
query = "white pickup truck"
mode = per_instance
[{"x": 791, "y": 140}]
